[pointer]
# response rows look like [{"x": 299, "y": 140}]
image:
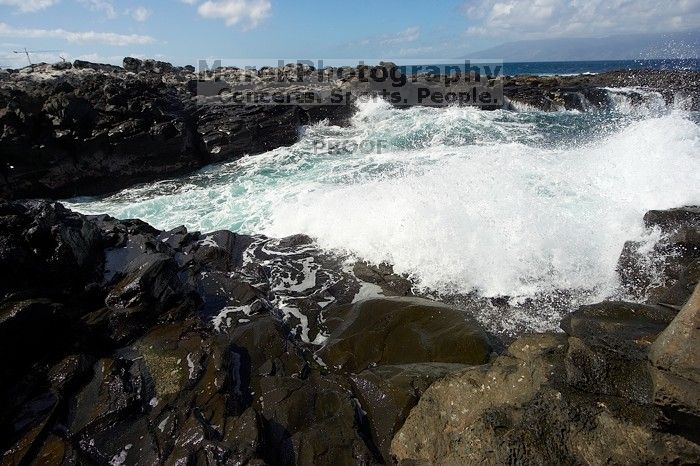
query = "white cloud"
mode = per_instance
[
  {"x": 103, "y": 6},
  {"x": 414, "y": 52},
  {"x": 190, "y": 2},
  {"x": 109, "y": 38},
  {"x": 560, "y": 18},
  {"x": 410, "y": 34},
  {"x": 250, "y": 12},
  {"x": 29, "y": 5},
  {"x": 141, "y": 14}
]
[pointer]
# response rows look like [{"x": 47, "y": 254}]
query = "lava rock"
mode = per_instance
[
  {"x": 671, "y": 220},
  {"x": 401, "y": 331},
  {"x": 667, "y": 272},
  {"x": 608, "y": 348},
  {"x": 386, "y": 394},
  {"x": 519, "y": 410},
  {"x": 101, "y": 67},
  {"x": 312, "y": 422},
  {"x": 675, "y": 361},
  {"x": 132, "y": 64}
]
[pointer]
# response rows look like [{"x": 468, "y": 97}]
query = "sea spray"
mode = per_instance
[{"x": 462, "y": 200}]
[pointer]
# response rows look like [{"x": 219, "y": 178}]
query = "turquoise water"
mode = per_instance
[{"x": 502, "y": 203}]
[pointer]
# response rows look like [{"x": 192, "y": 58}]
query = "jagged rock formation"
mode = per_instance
[
  {"x": 92, "y": 131},
  {"x": 135, "y": 345},
  {"x": 132, "y": 344}
]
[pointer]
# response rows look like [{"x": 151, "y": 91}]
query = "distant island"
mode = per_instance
[{"x": 685, "y": 45}]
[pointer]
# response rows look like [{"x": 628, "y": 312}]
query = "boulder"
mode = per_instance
[
  {"x": 386, "y": 394},
  {"x": 675, "y": 360},
  {"x": 519, "y": 410},
  {"x": 668, "y": 271},
  {"x": 608, "y": 347},
  {"x": 62, "y": 66},
  {"x": 312, "y": 422},
  {"x": 155, "y": 66},
  {"x": 401, "y": 331},
  {"x": 671, "y": 220},
  {"x": 132, "y": 64},
  {"x": 384, "y": 276}
]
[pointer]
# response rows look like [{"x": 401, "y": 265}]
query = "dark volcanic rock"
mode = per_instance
[
  {"x": 99, "y": 129},
  {"x": 672, "y": 220},
  {"x": 304, "y": 418},
  {"x": 667, "y": 271},
  {"x": 93, "y": 133},
  {"x": 102, "y": 67},
  {"x": 675, "y": 370},
  {"x": 231, "y": 131},
  {"x": 551, "y": 94},
  {"x": 131, "y": 345},
  {"x": 608, "y": 347},
  {"x": 520, "y": 410},
  {"x": 387, "y": 394},
  {"x": 402, "y": 331}
]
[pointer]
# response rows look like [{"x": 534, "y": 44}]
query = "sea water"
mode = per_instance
[{"x": 493, "y": 203}]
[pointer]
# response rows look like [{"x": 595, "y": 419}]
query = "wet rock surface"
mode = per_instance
[
  {"x": 402, "y": 331},
  {"x": 665, "y": 269},
  {"x": 132, "y": 345},
  {"x": 137, "y": 346}
]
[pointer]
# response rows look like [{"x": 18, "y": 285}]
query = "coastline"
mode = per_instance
[
  {"x": 221, "y": 347},
  {"x": 183, "y": 344},
  {"x": 94, "y": 129}
]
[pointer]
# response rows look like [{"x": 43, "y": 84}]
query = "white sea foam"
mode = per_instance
[
  {"x": 499, "y": 202},
  {"x": 507, "y": 219}
]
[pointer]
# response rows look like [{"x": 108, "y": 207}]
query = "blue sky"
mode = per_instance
[{"x": 183, "y": 31}]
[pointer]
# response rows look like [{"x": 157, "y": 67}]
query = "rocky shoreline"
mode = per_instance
[
  {"x": 139, "y": 346},
  {"x": 86, "y": 129},
  {"x": 125, "y": 344}
]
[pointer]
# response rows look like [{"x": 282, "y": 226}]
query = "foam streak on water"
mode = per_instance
[{"x": 504, "y": 203}]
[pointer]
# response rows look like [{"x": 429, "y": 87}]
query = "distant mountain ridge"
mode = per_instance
[{"x": 619, "y": 47}]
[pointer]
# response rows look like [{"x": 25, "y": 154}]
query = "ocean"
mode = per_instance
[
  {"x": 570, "y": 68},
  {"x": 564, "y": 68},
  {"x": 497, "y": 203}
]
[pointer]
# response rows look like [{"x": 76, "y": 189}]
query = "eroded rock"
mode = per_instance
[
  {"x": 519, "y": 409},
  {"x": 180, "y": 347},
  {"x": 401, "y": 331},
  {"x": 675, "y": 359}
]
